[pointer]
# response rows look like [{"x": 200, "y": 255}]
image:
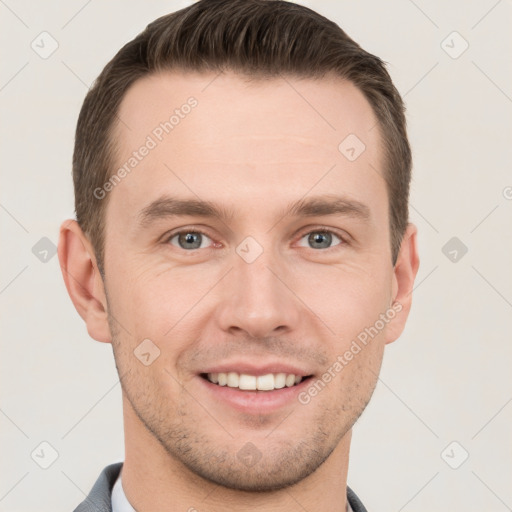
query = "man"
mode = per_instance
[{"x": 241, "y": 173}]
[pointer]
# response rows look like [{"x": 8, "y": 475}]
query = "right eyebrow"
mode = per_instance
[{"x": 167, "y": 206}]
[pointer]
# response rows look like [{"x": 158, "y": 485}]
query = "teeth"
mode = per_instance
[
  {"x": 247, "y": 382},
  {"x": 289, "y": 381},
  {"x": 233, "y": 379},
  {"x": 266, "y": 382},
  {"x": 280, "y": 380}
]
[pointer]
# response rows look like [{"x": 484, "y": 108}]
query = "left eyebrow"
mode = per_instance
[{"x": 328, "y": 205}]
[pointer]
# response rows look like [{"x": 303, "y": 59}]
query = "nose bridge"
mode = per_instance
[
  {"x": 256, "y": 300},
  {"x": 257, "y": 279}
]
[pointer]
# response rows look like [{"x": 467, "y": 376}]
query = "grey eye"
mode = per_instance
[
  {"x": 320, "y": 239},
  {"x": 189, "y": 240}
]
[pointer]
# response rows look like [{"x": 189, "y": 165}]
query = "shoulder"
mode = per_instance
[
  {"x": 354, "y": 501},
  {"x": 100, "y": 497}
]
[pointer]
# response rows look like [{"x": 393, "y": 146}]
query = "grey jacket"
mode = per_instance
[{"x": 100, "y": 497}]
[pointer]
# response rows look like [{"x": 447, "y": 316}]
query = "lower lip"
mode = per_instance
[{"x": 255, "y": 402}]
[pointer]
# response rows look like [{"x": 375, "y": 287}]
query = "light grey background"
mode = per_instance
[{"x": 448, "y": 377}]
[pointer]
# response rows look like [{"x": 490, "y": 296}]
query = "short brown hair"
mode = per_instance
[{"x": 255, "y": 38}]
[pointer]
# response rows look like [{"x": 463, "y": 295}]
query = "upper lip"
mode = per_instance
[{"x": 256, "y": 370}]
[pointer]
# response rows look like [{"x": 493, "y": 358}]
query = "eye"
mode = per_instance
[
  {"x": 189, "y": 240},
  {"x": 321, "y": 239}
]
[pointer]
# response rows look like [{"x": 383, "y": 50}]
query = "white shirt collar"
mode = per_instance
[{"x": 120, "y": 502}]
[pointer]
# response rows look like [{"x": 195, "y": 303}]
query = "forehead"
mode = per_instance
[
  {"x": 216, "y": 135},
  {"x": 324, "y": 110}
]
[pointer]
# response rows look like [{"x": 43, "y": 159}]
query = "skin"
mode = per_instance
[{"x": 252, "y": 148}]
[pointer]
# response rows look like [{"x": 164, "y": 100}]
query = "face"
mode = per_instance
[{"x": 246, "y": 245}]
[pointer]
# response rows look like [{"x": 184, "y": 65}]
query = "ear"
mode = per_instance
[
  {"x": 83, "y": 280},
  {"x": 404, "y": 274}
]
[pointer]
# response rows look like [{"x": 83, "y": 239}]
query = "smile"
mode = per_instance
[{"x": 246, "y": 382}]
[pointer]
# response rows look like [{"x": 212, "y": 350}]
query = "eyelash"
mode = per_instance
[{"x": 318, "y": 229}]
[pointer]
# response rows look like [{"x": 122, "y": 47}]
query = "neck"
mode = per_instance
[{"x": 154, "y": 480}]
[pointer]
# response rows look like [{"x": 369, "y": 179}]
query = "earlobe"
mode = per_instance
[
  {"x": 83, "y": 280},
  {"x": 404, "y": 274}
]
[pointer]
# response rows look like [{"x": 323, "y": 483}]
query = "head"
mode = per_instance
[{"x": 241, "y": 173}]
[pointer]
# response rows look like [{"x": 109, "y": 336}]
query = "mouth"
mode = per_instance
[
  {"x": 256, "y": 383},
  {"x": 254, "y": 387}
]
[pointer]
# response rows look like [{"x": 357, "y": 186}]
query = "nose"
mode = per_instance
[{"x": 257, "y": 299}]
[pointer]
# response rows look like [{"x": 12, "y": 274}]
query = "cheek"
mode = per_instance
[
  {"x": 164, "y": 307},
  {"x": 151, "y": 299},
  {"x": 345, "y": 389},
  {"x": 348, "y": 298}
]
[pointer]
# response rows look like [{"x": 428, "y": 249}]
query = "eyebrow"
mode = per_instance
[
  {"x": 329, "y": 205},
  {"x": 167, "y": 207}
]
